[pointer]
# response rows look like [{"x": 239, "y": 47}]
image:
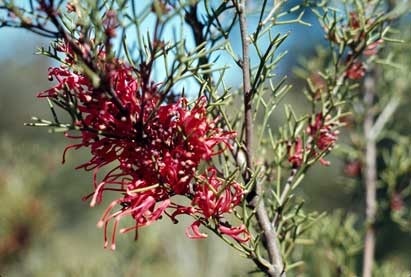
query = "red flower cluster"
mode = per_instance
[
  {"x": 320, "y": 134},
  {"x": 354, "y": 22},
  {"x": 213, "y": 198},
  {"x": 155, "y": 149},
  {"x": 295, "y": 153},
  {"x": 372, "y": 49},
  {"x": 355, "y": 34},
  {"x": 356, "y": 70}
]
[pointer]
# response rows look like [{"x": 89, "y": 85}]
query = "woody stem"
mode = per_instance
[{"x": 269, "y": 233}]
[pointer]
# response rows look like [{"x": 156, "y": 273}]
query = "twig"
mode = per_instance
[
  {"x": 276, "y": 7},
  {"x": 385, "y": 116},
  {"x": 370, "y": 176},
  {"x": 248, "y": 120},
  {"x": 287, "y": 186},
  {"x": 197, "y": 27}
]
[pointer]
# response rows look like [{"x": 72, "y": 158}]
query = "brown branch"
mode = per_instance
[
  {"x": 191, "y": 18},
  {"x": 248, "y": 117},
  {"x": 370, "y": 176},
  {"x": 269, "y": 233}
]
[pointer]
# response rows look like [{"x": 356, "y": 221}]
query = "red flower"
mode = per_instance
[
  {"x": 214, "y": 198},
  {"x": 141, "y": 207},
  {"x": 397, "y": 203},
  {"x": 110, "y": 23},
  {"x": 238, "y": 233},
  {"x": 195, "y": 231},
  {"x": 321, "y": 134},
  {"x": 354, "y": 22},
  {"x": 356, "y": 71},
  {"x": 353, "y": 169},
  {"x": 372, "y": 49},
  {"x": 295, "y": 153}
]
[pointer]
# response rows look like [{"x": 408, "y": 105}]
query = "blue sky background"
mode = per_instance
[
  {"x": 21, "y": 43},
  {"x": 301, "y": 41}
]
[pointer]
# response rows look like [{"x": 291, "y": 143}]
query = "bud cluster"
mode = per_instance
[{"x": 321, "y": 138}]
